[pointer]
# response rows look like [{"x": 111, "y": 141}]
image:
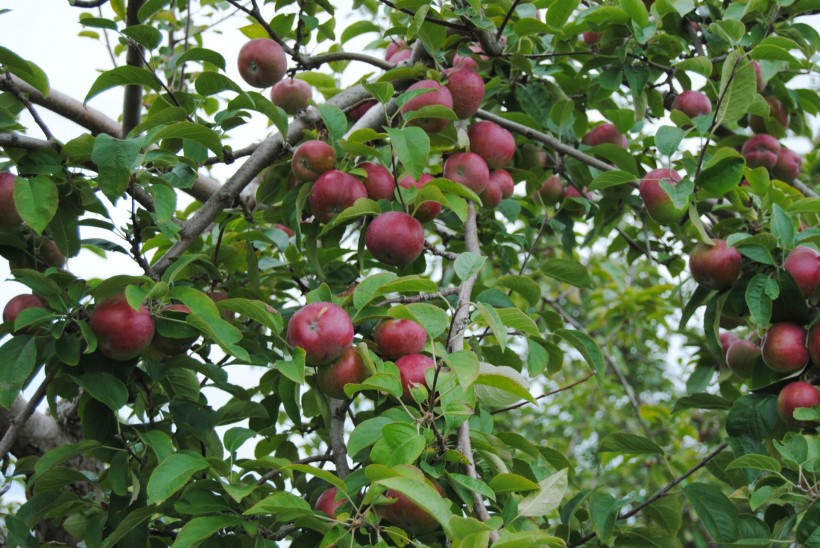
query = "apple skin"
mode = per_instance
[
  {"x": 359, "y": 111},
  {"x": 778, "y": 119},
  {"x": 552, "y": 190},
  {"x": 605, "y": 133},
  {"x": 492, "y": 142},
  {"x": 407, "y": 514},
  {"x": 122, "y": 332},
  {"x": 803, "y": 263},
  {"x": 784, "y": 347},
  {"x": 311, "y": 159},
  {"x": 173, "y": 346},
  {"x": 286, "y": 229},
  {"x": 590, "y": 38},
  {"x": 761, "y": 150},
  {"x": 761, "y": 83},
  {"x": 327, "y": 502},
  {"x": 715, "y": 267},
  {"x": 9, "y": 216},
  {"x": 393, "y": 47},
  {"x": 467, "y": 88},
  {"x": 464, "y": 62},
  {"x": 794, "y": 395},
  {"x": 469, "y": 169},
  {"x": 412, "y": 368},
  {"x": 395, "y": 238},
  {"x": 399, "y": 337},
  {"x": 333, "y": 192},
  {"x": 741, "y": 357},
  {"x": 291, "y": 95},
  {"x": 51, "y": 254},
  {"x": 323, "y": 330},
  {"x": 262, "y": 62},
  {"x": 400, "y": 55},
  {"x": 440, "y": 96},
  {"x": 789, "y": 165},
  {"x": 692, "y": 103},
  {"x": 814, "y": 345},
  {"x": 379, "y": 183},
  {"x": 532, "y": 157},
  {"x": 22, "y": 302},
  {"x": 427, "y": 211},
  {"x": 657, "y": 202},
  {"x": 501, "y": 182},
  {"x": 726, "y": 340},
  {"x": 349, "y": 368}
]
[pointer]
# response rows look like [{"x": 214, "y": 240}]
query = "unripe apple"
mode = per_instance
[
  {"x": 323, "y": 330},
  {"x": 311, "y": 159},
  {"x": 399, "y": 337},
  {"x": 574, "y": 207},
  {"x": 379, "y": 183},
  {"x": 349, "y": 368},
  {"x": 605, "y": 133},
  {"x": 122, "y": 332},
  {"x": 439, "y": 96},
  {"x": 291, "y": 95},
  {"x": 407, "y": 514},
  {"x": 814, "y": 345},
  {"x": 657, "y": 202},
  {"x": 715, "y": 266},
  {"x": 803, "y": 263},
  {"x": 784, "y": 347},
  {"x": 412, "y": 368},
  {"x": 22, "y": 302},
  {"x": 327, "y": 502},
  {"x": 333, "y": 192},
  {"x": 427, "y": 211},
  {"x": 395, "y": 238},
  {"x": 761, "y": 150},
  {"x": 788, "y": 166},
  {"x": 172, "y": 346},
  {"x": 467, "y": 88},
  {"x": 469, "y": 169},
  {"x": 532, "y": 157},
  {"x": 778, "y": 120},
  {"x": 761, "y": 83},
  {"x": 741, "y": 357},
  {"x": 692, "y": 103},
  {"x": 551, "y": 191},
  {"x": 262, "y": 62},
  {"x": 9, "y": 216},
  {"x": 492, "y": 142},
  {"x": 795, "y": 395}
]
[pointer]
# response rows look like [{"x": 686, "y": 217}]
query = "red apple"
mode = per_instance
[
  {"x": 761, "y": 83},
  {"x": 492, "y": 142},
  {"x": 692, "y": 103},
  {"x": 464, "y": 62},
  {"x": 183, "y": 334},
  {"x": 467, "y": 88},
  {"x": 50, "y": 254},
  {"x": 551, "y": 190},
  {"x": 262, "y": 62},
  {"x": 591, "y": 38},
  {"x": 311, "y": 159},
  {"x": 286, "y": 229},
  {"x": 741, "y": 357},
  {"x": 218, "y": 295},
  {"x": 327, "y": 502},
  {"x": 333, "y": 192},
  {"x": 399, "y": 337},
  {"x": 22, "y": 302},
  {"x": 399, "y": 56},
  {"x": 379, "y": 183},
  {"x": 439, "y": 96},
  {"x": 761, "y": 151},
  {"x": 657, "y": 202},
  {"x": 9, "y": 216},
  {"x": 726, "y": 340},
  {"x": 715, "y": 266},
  {"x": 359, "y": 111},
  {"x": 291, "y": 95},
  {"x": 469, "y": 169},
  {"x": 814, "y": 345},
  {"x": 532, "y": 157},
  {"x": 784, "y": 347},
  {"x": 605, "y": 133},
  {"x": 394, "y": 47},
  {"x": 412, "y": 368},
  {"x": 574, "y": 207},
  {"x": 395, "y": 238},
  {"x": 794, "y": 395},
  {"x": 427, "y": 211},
  {"x": 788, "y": 166},
  {"x": 500, "y": 183},
  {"x": 122, "y": 332},
  {"x": 505, "y": 180},
  {"x": 803, "y": 263},
  {"x": 407, "y": 514},
  {"x": 323, "y": 330},
  {"x": 348, "y": 369},
  {"x": 777, "y": 122}
]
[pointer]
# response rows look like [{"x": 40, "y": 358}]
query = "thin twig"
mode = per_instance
[
  {"x": 546, "y": 394},
  {"x": 421, "y": 297},
  {"x": 427, "y": 18},
  {"x": 440, "y": 252},
  {"x": 506, "y": 19},
  {"x": 26, "y": 103},
  {"x": 307, "y": 460}
]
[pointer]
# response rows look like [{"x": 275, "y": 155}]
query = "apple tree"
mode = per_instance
[{"x": 545, "y": 274}]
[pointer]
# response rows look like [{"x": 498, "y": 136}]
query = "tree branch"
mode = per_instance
[
  {"x": 17, "y": 140},
  {"x": 338, "y": 413},
  {"x": 17, "y": 423},
  {"x": 546, "y": 394},
  {"x": 421, "y": 297},
  {"x": 440, "y": 252},
  {"x": 132, "y": 96}
]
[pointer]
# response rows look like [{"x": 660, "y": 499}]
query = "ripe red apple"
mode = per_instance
[
  {"x": 9, "y": 216},
  {"x": 761, "y": 83},
  {"x": 794, "y": 395},
  {"x": 814, "y": 345},
  {"x": 464, "y": 62},
  {"x": 803, "y": 263},
  {"x": 311, "y": 159},
  {"x": 327, "y": 502},
  {"x": 184, "y": 335},
  {"x": 412, "y": 368},
  {"x": 574, "y": 207},
  {"x": 784, "y": 347},
  {"x": 692, "y": 103},
  {"x": 778, "y": 120},
  {"x": 379, "y": 183},
  {"x": 286, "y": 229},
  {"x": 492, "y": 142},
  {"x": 715, "y": 266},
  {"x": 349, "y": 368},
  {"x": 467, "y": 88},
  {"x": 605, "y": 133},
  {"x": 407, "y": 514},
  {"x": 395, "y": 238},
  {"x": 726, "y": 340},
  {"x": 761, "y": 150},
  {"x": 399, "y": 337},
  {"x": 291, "y": 95},
  {"x": 788, "y": 166},
  {"x": 551, "y": 190},
  {"x": 590, "y": 38},
  {"x": 333, "y": 192},
  {"x": 122, "y": 332},
  {"x": 359, "y": 111},
  {"x": 22, "y": 302},
  {"x": 262, "y": 62},
  {"x": 439, "y": 96},
  {"x": 741, "y": 357},
  {"x": 399, "y": 56},
  {"x": 50, "y": 254},
  {"x": 323, "y": 330},
  {"x": 500, "y": 183},
  {"x": 657, "y": 202},
  {"x": 393, "y": 47},
  {"x": 469, "y": 169},
  {"x": 427, "y": 211}
]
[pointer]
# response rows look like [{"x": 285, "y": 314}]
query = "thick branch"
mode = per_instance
[
  {"x": 319, "y": 60},
  {"x": 17, "y": 140},
  {"x": 132, "y": 97},
  {"x": 21, "y": 412},
  {"x": 338, "y": 412}
]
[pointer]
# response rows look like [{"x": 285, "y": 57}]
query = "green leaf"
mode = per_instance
[
  {"x": 285, "y": 506},
  {"x": 698, "y": 64},
  {"x": 501, "y": 385},
  {"x": 757, "y": 299},
  {"x": 221, "y": 332},
  {"x": 18, "y": 356},
  {"x": 366, "y": 434},
  {"x": 637, "y": 11},
  {"x": 61, "y": 454},
  {"x": 621, "y": 442},
  {"x": 468, "y": 264},
  {"x": 528, "y": 538},
  {"x": 472, "y": 484},
  {"x": 434, "y": 319},
  {"x": 25, "y": 70},
  {"x": 104, "y": 387},
  {"x": 738, "y": 85},
  {"x": 149, "y": 8},
  {"x": 722, "y": 176},
  {"x": 255, "y": 310},
  {"x": 382, "y": 91},
  {"x": 493, "y": 321},
  {"x": 609, "y": 179},
  {"x": 701, "y": 401},
  {"x": 412, "y": 146},
  {"x": 518, "y": 320},
  {"x": 522, "y": 285},
  {"x": 358, "y": 28},
  {"x": 115, "y": 160},
  {"x": 588, "y": 348},
  {"x": 559, "y": 13},
  {"x": 466, "y": 366},
  {"x": 400, "y": 443},
  {"x": 211, "y": 83},
  {"x": 236, "y": 436},
  {"x": 511, "y": 483},
  {"x": 319, "y": 473},
  {"x": 808, "y": 530},
  {"x": 755, "y": 462},
  {"x": 202, "y": 528},
  {"x": 567, "y": 271},
  {"x": 293, "y": 369},
  {"x": 718, "y": 514},
  {"x": 680, "y": 193},
  {"x": 202, "y": 55},
  {"x": 548, "y": 497},
  {"x": 172, "y": 474},
  {"x": 368, "y": 288},
  {"x": 781, "y": 224},
  {"x": 192, "y": 131},
  {"x": 127, "y": 524},
  {"x": 122, "y": 76},
  {"x": 603, "y": 509},
  {"x": 335, "y": 120},
  {"x": 668, "y": 139},
  {"x": 144, "y": 35},
  {"x": 423, "y": 495},
  {"x": 361, "y": 208}
]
